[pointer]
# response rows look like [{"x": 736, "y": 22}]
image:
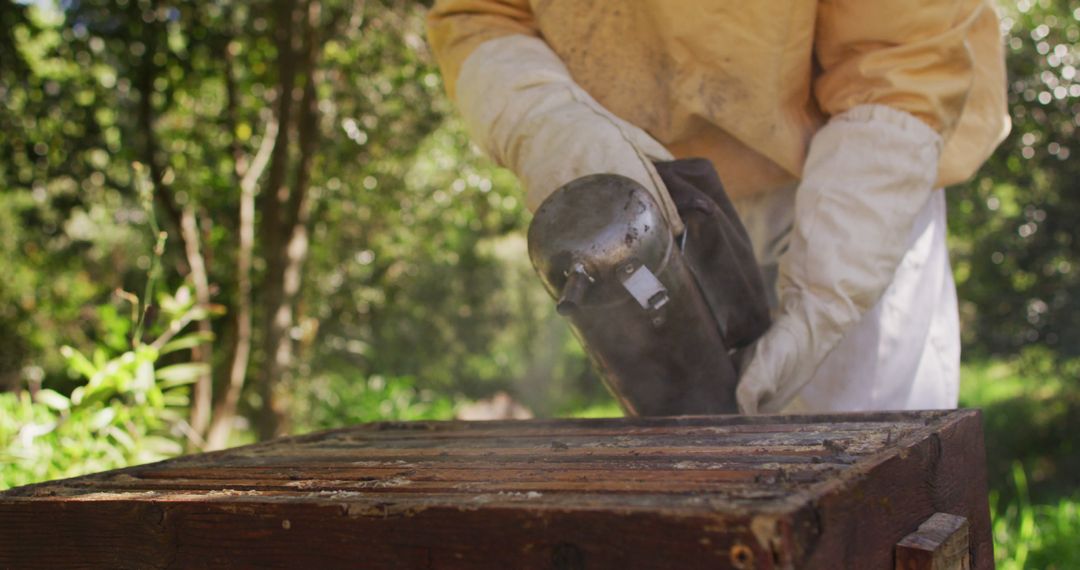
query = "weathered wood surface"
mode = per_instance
[
  {"x": 940, "y": 543},
  {"x": 694, "y": 492}
]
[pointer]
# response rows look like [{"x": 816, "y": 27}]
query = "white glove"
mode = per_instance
[
  {"x": 868, "y": 173},
  {"x": 522, "y": 107}
]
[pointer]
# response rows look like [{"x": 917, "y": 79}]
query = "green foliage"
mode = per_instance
[
  {"x": 126, "y": 407},
  {"x": 1017, "y": 256},
  {"x": 1016, "y": 261},
  {"x": 66, "y": 184},
  {"x": 417, "y": 266},
  {"x": 601, "y": 410},
  {"x": 1031, "y": 411},
  {"x": 1039, "y": 536},
  {"x": 336, "y": 400}
]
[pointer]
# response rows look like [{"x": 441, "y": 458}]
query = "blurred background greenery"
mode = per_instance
[{"x": 223, "y": 221}]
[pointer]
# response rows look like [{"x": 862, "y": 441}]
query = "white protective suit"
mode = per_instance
[{"x": 906, "y": 101}]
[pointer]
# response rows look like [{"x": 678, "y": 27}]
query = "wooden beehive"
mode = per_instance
[{"x": 837, "y": 491}]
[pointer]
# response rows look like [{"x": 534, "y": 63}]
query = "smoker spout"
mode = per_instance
[{"x": 573, "y": 291}]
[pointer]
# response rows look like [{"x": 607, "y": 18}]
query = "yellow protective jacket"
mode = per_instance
[{"x": 747, "y": 84}]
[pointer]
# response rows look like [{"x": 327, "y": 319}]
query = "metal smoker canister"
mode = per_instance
[{"x": 607, "y": 255}]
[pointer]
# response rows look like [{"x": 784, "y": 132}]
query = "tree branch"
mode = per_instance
[{"x": 203, "y": 391}]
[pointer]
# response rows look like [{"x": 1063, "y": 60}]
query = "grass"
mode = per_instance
[
  {"x": 1035, "y": 536},
  {"x": 1031, "y": 414}
]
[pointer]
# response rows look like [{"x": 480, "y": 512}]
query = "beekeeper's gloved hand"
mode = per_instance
[
  {"x": 868, "y": 173},
  {"x": 521, "y": 106}
]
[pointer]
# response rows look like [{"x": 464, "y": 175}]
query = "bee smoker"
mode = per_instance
[{"x": 607, "y": 255}]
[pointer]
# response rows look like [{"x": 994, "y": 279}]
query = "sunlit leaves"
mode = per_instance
[
  {"x": 1013, "y": 226},
  {"x": 415, "y": 238},
  {"x": 122, "y": 411}
]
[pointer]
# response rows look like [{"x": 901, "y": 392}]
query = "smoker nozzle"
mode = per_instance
[{"x": 573, "y": 291}]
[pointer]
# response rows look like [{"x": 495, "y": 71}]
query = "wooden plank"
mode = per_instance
[
  {"x": 719, "y": 492},
  {"x": 940, "y": 543},
  {"x": 294, "y": 535}
]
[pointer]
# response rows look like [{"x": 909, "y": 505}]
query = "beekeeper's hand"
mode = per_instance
[
  {"x": 868, "y": 173},
  {"x": 521, "y": 106}
]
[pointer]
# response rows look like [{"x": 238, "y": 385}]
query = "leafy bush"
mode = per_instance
[
  {"x": 127, "y": 408},
  {"x": 336, "y": 400}
]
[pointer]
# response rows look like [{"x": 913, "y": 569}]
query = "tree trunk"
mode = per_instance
[
  {"x": 225, "y": 409},
  {"x": 286, "y": 210},
  {"x": 247, "y": 178}
]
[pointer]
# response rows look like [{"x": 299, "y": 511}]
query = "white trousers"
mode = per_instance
[{"x": 905, "y": 352}]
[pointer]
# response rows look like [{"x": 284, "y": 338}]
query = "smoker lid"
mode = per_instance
[{"x": 602, "y": 222}]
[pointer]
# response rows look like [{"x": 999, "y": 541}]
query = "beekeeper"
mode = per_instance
[{"x": 833, "y": 125}]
